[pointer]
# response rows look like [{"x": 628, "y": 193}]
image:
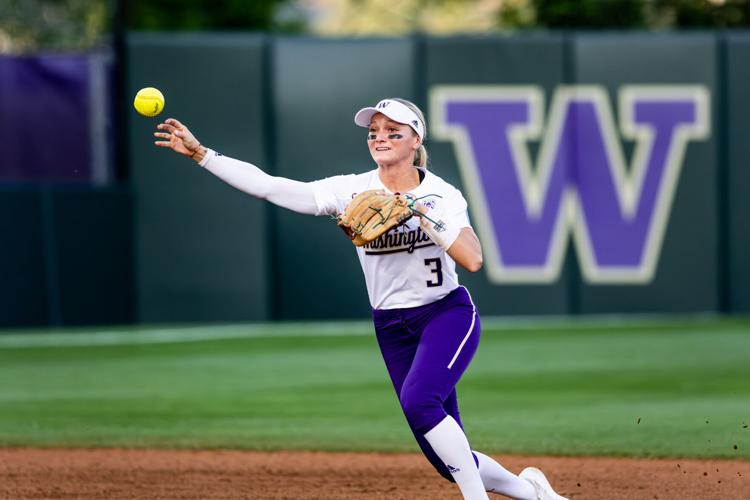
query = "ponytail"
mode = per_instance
[{"x": 420, "y": 157}]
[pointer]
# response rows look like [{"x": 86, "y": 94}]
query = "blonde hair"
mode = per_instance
[{"x": 420, "y": 157}]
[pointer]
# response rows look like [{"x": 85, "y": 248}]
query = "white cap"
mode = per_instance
[{"x": 394, "y": 110}]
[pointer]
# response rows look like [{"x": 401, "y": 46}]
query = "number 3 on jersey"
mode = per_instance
[{"x": 436, "y": 267}]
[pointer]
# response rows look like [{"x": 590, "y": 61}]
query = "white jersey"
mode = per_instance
[{"x": 403, "y": 268}]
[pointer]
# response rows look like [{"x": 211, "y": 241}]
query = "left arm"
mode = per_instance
[
  {"x": 450, "y": 229},
  {"x": 466, "y": 250},
  {"x": 460, "y": 243}
]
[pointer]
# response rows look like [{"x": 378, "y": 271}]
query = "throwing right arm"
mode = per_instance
[{"x": 293, "y": 195}]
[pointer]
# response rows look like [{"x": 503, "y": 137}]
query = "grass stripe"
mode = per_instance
[
  {"x": 180, "y": 334},
  {"x": 651, "y": 387},
  {"x": 137, "y": 335}
]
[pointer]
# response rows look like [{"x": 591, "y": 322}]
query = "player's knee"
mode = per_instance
[
  {"x": 413, "y": 407},
  {"x": 422, "y": 412}
]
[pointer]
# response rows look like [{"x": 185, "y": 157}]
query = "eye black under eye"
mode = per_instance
[
  {"x": 371, "y": 137},
  {"x": 395, "y": 136}
]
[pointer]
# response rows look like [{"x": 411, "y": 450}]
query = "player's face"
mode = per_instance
[{"x": 391, "y": 142}]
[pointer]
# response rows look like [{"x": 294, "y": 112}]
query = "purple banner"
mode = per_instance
[{"x": 47, "y": 118}]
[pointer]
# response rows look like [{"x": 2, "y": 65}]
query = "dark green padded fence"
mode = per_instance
[
  {"x": 179, "y": 245},
  {"x": 201, "y": 248},
  {"x": 736, "y": 191},
  {"x": 66, "y": 257},
  {"x": 301, "y": 127},
  {"x": 23, "y": 270}
]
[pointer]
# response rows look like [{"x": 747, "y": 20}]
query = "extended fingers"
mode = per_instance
[
  {"x": 168, "y": 131},
  {"x": 174, "y": 122},
  {"x": 165, "y": 126}
]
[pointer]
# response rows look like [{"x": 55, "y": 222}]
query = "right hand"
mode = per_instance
[{"x": 176, "y": 136}]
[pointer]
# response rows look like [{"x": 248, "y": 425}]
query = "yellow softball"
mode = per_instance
[{"x": 149, "y": 101}]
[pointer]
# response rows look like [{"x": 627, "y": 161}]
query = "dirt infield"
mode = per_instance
[{"x": 166, "y": 474}]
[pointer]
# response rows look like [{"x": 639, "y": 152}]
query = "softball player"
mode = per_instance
[{"x": 426, "y": 324}]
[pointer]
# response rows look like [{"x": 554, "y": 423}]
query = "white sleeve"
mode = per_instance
[
  {"x": 332, "y": 194},
  {"x": 294, "y": 195}
]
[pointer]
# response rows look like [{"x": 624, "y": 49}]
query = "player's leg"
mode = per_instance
[
  {"x": 495, "y": 477},
  {"x": 447, "y": 345},
  {"x": 451, "y": 408},
  {"x": 398, "y": 345}
]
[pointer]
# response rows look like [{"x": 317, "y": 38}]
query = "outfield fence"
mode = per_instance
[{"x": 606, "y": 173}]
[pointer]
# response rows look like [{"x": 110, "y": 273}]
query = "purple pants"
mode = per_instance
[{"x": 426, "y": 349}]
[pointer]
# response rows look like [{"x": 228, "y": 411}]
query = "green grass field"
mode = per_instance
[{"x": 587, "y": 387}]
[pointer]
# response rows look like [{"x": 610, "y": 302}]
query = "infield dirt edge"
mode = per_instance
[{"x": 99, "y": 473}]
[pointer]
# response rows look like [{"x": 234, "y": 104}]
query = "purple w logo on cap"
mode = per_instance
[
  {"x": 581, "y": 184},
  {"x": 383, "y": 104}
]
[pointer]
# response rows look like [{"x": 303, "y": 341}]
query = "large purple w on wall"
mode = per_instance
[{"x": 617, "y": 215}]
